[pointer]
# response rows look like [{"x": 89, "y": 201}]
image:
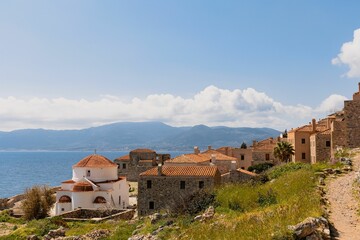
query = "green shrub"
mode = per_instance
[
  {"x": 261, "y": 167},
  {"x": 193, "y": 203},
  {"x": 38, "y": 202},
  {"x": 267, "y": 199},
  {"x": 281, "y": 170}
]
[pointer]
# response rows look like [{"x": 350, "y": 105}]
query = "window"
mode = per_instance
[
  {"x": 182, "y": 184},
  {"x": 267, "y": 156},
  {"x": 119, "y": 200},
  {"x": 201, "y": 184},
  {"x": 242, "y": 157},
  {"x": 328, "y": 143},
  {"x": 148, "y": 184},
  {"x": 88, "y": 173},
  {"x": 62, "y": 209},
  {"x": 124, "y": 166},
  {"x": 303, "y": 155},
  {"x": 303, "y": 140},
  {"x": 151, "y": 205},
  {"x": 243, "y": 168}
]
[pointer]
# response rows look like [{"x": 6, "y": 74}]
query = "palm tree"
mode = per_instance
[{"x": 283, "y": 151}]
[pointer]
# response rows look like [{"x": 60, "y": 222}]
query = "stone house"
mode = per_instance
[
  {"x": 94, "y": 185},
  {"x": 138, "y": 161},
  {"x": 318, "y": 141},
  {"x": 163, "y": 187},
  {"x": 236, "y": 175},
  {"x": 243, "y": 155},
  {"x": 206, "y": 158},
  {"x": 260, "y": 152}
]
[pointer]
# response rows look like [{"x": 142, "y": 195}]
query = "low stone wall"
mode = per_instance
[{"x": 97, "y": 215}]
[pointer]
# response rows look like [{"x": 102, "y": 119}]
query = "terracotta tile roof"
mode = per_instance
[
  {"x": 200, "y": 171},
  {"x": 246, "y": 172},
  {"x": 224, "y": 148},
  {"x": 218, "y": 155},
  {"x": 68, "y": 181},
  {"x": 190, "y": 158},
  {"x": 308, "y": 128},
  {"x": 327, "y": 131},
  {"x": 82, "y": 187},
  {"x": 143, "y": 150},
  {"x": 124, "y": 158},
  {"x": 95, "y": 160}
]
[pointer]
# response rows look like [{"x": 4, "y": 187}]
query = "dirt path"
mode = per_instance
[{"x": 343, "y": 205}]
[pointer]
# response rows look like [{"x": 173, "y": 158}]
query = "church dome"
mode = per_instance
[{"x": 95, "y": 161}]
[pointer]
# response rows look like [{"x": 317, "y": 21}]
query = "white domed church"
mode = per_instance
[{"x": 94, "y": 185}]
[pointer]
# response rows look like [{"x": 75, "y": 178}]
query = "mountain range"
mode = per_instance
[{"x": 125, "y": 136}]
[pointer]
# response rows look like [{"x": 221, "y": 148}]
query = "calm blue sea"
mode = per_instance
[{"x": 20, "y": 170}]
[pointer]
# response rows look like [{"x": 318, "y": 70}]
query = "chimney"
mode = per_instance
[
  {"x": 196, "y": 150},
  {"x": 254, "y": 143},
  {"x": 233, "y": 165},
  {"x": 226, "y": 151},
  {"x": 313, "y": 124},
  {"x": 159, "y": 169},
  {"x": 209, "y": 147},
  {"x": 359, "y": 86},
  {"x": 213, "y": 158}
]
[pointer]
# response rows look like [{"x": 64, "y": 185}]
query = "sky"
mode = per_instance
[{"x": 78, "y": 64}]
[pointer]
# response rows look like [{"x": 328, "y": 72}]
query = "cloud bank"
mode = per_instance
[
  {"x": 350, "y": 56},
  {"x": 212, "y": 106}
]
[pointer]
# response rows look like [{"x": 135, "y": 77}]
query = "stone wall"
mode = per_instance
[
  {"x": 100, "y": 215},
  {"x": 259, "y": 156},
  {"x": 352, "y": 121},
  {"x": 165, "y": 191},
  {"x": 323, "y": 152},
  {"x": 235, "y": 176}
]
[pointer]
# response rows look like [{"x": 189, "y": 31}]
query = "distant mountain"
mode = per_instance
[{"x": 130, "y": 135}]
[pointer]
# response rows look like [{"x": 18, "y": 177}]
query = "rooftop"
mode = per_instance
[
  {"x": 190, "y": 171},
  {"x": 95, "y": 161},
  {"x": 142, "y": 150}
]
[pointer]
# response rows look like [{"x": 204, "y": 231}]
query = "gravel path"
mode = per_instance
[{"x": 344, "y": 206}]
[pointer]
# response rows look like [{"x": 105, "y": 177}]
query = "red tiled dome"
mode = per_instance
[{"x": 95, "y": 160}]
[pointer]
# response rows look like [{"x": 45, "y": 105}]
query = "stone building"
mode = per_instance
[
  {"x": 243, "y": 155},
  {"x": 318, "y": 141},
  {"x": 94, "y": 185},
  {"x": 138, "y": 161},
  {"x": 300, "y": 140},
  {"x": 260, "y": 152},
  {"x": 163, "y": 187},
  {"x": 206, "y": 158},
  {"x": 236, "y": 175},
  {"x": 352, "y": 120}
]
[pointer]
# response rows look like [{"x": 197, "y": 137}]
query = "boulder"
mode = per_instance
[
  {"x": 155, "y": 217},
  {"x": 312, "y": 229}
]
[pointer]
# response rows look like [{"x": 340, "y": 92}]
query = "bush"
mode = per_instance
[
  {"x": 193, "y": 203},
  {"x": 261, "y": 167},
  {"x": 267, "y": 199},
  {"x": 281, "y": 170},
  {"x": 38, "y": 202}
]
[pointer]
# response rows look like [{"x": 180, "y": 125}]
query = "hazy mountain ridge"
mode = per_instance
[{"x": 129, "y": 135}]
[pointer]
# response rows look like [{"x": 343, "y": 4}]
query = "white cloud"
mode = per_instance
[
  {"x": 211, "y": 106},
  {"x": 350, "y": 55}
]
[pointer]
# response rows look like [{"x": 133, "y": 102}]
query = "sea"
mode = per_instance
[{"x": 22, "y": 170}]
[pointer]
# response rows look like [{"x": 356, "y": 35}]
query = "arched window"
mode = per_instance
[
  {"x": 64, "y": 199},
  {"x": 100, "y": 199}
]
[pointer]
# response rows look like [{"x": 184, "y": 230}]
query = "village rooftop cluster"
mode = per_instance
[{"x": 99, "y": 183}]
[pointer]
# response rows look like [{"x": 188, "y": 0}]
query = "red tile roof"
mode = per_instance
[
  {"x": 82, "y": 187},
  {"x": 246, "y": 172},
  {"x": 68, "y": 181},
  {"x": 190, "y": 158},
  {"x": 143, "y": 150},
  {"x": 189, "y": 171},
  {"x": 218, "y": 155},
  {"x": 95, "y": 160},
  {"x": 124, "y": 158}
]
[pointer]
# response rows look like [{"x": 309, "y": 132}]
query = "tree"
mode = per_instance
[
  {"x": 283, "y": 151},
  {"x": 37, "y": 202},
  {"x": 243, "y": 145},
  {"x": 285, "y": 134}
]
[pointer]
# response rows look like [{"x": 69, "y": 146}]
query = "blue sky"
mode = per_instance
[{"x": 75, "y": 64}]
